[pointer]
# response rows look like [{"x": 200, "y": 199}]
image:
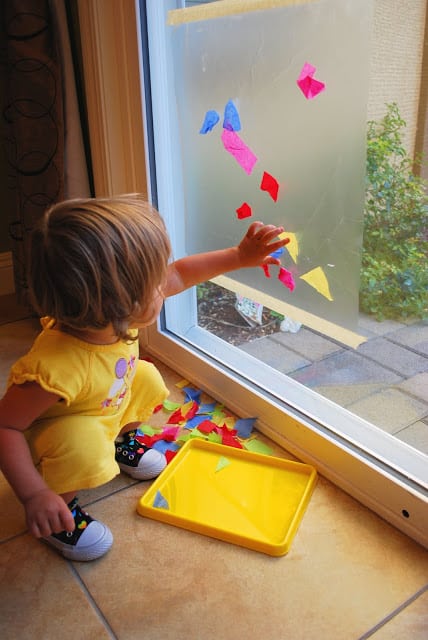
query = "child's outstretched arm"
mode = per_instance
[
  {"x": 254, "y": 250},
  {"x": 46, "y": 512}
]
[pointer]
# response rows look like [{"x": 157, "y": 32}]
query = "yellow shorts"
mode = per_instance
[{"x": 77, "y": 452}]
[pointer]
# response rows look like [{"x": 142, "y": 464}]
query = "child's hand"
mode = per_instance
[
  {"x": 47, "y": 513},
  {"x": 258, "y": 243}
]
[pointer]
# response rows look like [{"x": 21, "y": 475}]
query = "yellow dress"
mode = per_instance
[{"x": 102, "y": 388}]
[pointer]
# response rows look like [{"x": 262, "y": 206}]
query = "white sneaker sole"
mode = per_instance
[
  {"x": 94, "y": 542},
  {"x": 151, "y": 464}
]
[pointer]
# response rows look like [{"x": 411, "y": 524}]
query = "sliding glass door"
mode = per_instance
[{"x": 262, "y": 115}]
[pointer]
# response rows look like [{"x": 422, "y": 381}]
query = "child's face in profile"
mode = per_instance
[{"x": 151, "y": 311}]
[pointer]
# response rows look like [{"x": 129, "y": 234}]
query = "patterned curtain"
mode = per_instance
[{"x": 35, "y": 112}]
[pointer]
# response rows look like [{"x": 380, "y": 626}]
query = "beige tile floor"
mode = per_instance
[{"x": 348, "y": 574}]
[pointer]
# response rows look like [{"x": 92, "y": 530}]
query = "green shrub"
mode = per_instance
[{"x": 394, "y": 274}]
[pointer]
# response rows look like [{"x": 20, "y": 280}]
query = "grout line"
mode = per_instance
[
  {"x": 392, "y": 385},
  {"x": 363, "y": 355},
  {"x": 14, "y": 536},
  {"x": 408, "y": 347},
  {"x": 108, "y": 495},
  {"x": 92, "y": 602},
  {"x": 392, "y": 369},
  {"x": 394, "y": 613}
]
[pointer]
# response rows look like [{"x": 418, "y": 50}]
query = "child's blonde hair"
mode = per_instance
[{"x": 98, "y": 261}]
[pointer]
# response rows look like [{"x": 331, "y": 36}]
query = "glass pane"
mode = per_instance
[
  {"x": 314, "y": 147},
  {"x": 384, "y": 380}
]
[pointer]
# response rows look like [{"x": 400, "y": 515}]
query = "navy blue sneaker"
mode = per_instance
[
  {"x": 89, "y": 540},
  {"x": 138, "y": 460}
]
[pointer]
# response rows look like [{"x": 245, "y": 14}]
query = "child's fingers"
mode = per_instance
[
  {"x": 33, "y": 528},
  {"x": 67, "y": 521},
  {"x": 274, "y": 246},
  {"x": 253, "y": 229},
  {"x": 269, "y": 233},
  {"x": 40, "y": 528}
]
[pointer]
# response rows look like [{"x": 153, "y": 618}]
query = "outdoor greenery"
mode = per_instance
[{"x": 394, "y": 275}]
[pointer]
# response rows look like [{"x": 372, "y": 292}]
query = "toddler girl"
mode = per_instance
[{"x": 99, "y": 270}]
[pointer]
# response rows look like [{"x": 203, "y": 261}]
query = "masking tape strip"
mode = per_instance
[
  {"x": 223, "y": 8},
  {"x": 326, "y": 327}
]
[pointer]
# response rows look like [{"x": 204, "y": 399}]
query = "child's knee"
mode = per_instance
[{"x": 73, "y": 455}]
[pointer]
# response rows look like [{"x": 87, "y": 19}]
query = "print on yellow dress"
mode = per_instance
[{"x": 124, "y": 372}]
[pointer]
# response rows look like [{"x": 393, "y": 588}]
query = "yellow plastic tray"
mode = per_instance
[{"x": 238, "y": 496}]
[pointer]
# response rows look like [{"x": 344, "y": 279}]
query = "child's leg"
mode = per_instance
[
  {"x": 74, "y": 453},
  {"x": 133, "y": 457}
]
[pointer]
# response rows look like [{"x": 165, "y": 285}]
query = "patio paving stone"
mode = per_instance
[
  {"x": 384, "y": 381},
  {"x": 345, "y": 395},
  {"x": 414, "y": 336},
  {"x": 309, "y": 344},
  {"x": 347, "y": 367},
  {"x": 416, "y": 386},
  {"x": 390, "y": 410},
  {"x": 370, "y": 327},
  {"x": 275, "y": 355},
  {"x": 416, "y": 435},
  {"x": 395, "y": 357}
]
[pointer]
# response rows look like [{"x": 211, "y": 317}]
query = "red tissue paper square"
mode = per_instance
[
  {"x": 265, "y": 268},
  {"x": 206, "y": 426},
  {"x": 270, "y": 184},
  {"x": 169, "y": 455},
  {"x": 230, "y": 441},
  {"x": 244, "y": 211},
  {"x": 286, "y": 277}
]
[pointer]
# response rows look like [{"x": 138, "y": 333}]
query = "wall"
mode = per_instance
[
  {"x": 422, "y": 131},
  {"x": 396, "y": 61},
  {"x": 111, "y": 67}
]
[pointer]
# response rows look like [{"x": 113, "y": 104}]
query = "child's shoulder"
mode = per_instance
[
  {"x": 52, "y": 350},
  {"x": 55, "y": 363}
]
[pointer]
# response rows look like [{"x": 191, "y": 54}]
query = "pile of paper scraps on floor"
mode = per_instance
[{"x": 194, "y": 419}]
